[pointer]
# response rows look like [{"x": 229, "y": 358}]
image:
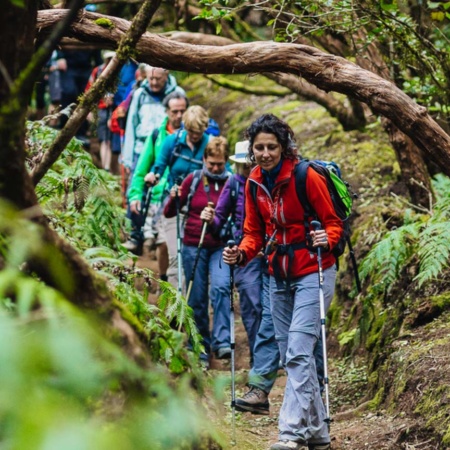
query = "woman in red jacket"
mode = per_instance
[{"x": 273, "y": 210}]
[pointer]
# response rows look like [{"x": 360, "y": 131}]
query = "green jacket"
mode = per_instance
[{"x": 145, "y": 162}]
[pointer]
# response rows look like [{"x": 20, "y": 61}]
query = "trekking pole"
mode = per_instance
[
  {"x": 231, "y": 244},
  {"x": 145, "y": 206},
  {"x": 317, "y": 226},
  {"x": 197, "y": 255},
  {"x": 180, "y": 275}
]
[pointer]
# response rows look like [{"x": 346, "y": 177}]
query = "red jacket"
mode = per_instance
[
  {"x": 283, "y": 212},
  {"x": 200, "y": 199}
]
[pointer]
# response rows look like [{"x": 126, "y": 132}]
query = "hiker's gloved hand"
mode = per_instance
[
  {"x": 176, "y": 190},
  {"x": 207, "y": 215},
  {"x": 135, "y": 206},
  {"x": 320, "y": 239}
]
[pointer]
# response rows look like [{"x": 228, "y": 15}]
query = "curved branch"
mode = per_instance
[
  {"x": 252, "y": 90},
  {"x": 328, "y": 72},
  {"x": 350, "y": 118}
]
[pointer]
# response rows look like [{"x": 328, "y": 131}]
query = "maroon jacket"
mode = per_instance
[{"x": 193, "y": 224}]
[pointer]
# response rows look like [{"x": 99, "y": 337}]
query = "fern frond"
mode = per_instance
[
  {"x": 434, "y": 251},
  {"x": 389, "y": 256}
]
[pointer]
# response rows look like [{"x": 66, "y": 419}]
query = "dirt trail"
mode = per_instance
[{"x": 354, "y": 427}]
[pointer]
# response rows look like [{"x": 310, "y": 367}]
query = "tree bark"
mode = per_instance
[
  {"x": 412, "y": 165},
  {"x": 350, "y": 118},
  {"x": 328, "y": 72}
]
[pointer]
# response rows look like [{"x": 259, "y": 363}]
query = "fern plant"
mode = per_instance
[
  {"x": 83, "y": 205},
  {"x": 424, "y": 238}
]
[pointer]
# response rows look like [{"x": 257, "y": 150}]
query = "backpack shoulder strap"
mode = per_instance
[
  {"x": 173, "y": 154},
  {"x": 234, "y": 192},
  {"x": 197, "y": 176},
  {"x": 155, "y": 134},
  {"x": 300, "y": 172}
]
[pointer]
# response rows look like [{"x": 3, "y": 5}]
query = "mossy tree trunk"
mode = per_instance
[{"x": 88, "y": 291}]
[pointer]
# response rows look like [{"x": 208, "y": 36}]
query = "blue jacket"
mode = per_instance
[
  {"x": 186, "y": 160},
  {"x": 146, "y": 113}
]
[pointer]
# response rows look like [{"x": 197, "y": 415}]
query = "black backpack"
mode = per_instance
[{"x": 228, "y": 231}]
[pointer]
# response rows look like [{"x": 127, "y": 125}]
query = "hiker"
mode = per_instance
[
  {"x": 154, "y": 230},
  {"x": 146, "y": 112},
  {"x": 104, "y": 110},
  {"x": 252, "y": 284},
  {"x": 199, "y": 188},
  {"x": 182, "y": 152},
  {"x": 276, "y": 211}
]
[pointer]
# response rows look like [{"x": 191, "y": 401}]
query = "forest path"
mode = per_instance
[{"x": 353, "y": 427}]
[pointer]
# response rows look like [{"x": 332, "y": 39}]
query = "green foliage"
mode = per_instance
[
  {"x": 427, "y": 239},
  {"x": 81, "y": 202},
  {"x": 104, "y": 22},
  {"x": 64, "y": 383}
]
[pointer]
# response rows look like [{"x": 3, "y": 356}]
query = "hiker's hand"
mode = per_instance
[
  {"x": 320, "y": 239},
  {"x": 151, "y": 179},
  {"x": 135, "y": 206},
  {"x": 176, "y": 190},
  {"x": 207, "y": 215},
  {"x": 232, "y": 255}
]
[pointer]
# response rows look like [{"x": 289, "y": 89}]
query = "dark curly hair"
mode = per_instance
[{"x": 268, "y": 123}]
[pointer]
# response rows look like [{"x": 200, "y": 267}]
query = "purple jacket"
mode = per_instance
[{"x": 224, "y": 206}]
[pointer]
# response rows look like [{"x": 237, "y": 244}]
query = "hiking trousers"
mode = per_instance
[
  {"x": 248, "y": 281},
  {"x": 266, "y": 356},
  {"x": 211, "y": 272},
  {"x": 296, "y": 318}
]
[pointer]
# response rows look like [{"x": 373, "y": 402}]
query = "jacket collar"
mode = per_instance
[{"x": 285, "y": 172}]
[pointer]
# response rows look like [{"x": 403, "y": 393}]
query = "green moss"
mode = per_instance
[
  {"x": 129, "y": 317},
  {"x": 434, "y": 407},
  {"x": 441, "y": 301},
  {"x": 105, "y": 23},
  {"x": 377, "y": 400}
]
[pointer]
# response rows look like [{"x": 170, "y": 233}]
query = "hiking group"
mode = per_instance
[
  {"x": 196, "y": 205},
  {"x": 279, "y": 218}
]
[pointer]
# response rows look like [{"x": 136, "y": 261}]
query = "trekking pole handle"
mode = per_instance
[
  {"x": 231, "y": 243},
  {"x": 316, "y": 225}
]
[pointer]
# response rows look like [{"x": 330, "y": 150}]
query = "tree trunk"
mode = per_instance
[
  {"x": 412, "y": 165},
  {"x": 328, "y": 72}
]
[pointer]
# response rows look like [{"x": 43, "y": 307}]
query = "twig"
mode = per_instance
[{"x": 406, "y": 202}]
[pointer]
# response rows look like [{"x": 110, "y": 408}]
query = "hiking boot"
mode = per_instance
[
  {"x": 319, "y": 446},
  {"x": 133, "y": 246},
  {"x": 285, "y": 445},
  {"x": 223, "y": 353},
  {"x": 254, "y": 401}
]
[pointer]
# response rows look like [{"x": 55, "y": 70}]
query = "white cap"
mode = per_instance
[
  {"x": 240, "y": 152},
  {"x": 109, "y": 54}
]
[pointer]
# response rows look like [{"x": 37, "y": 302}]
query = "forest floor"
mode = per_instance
[{"x": 354, "y": 425}]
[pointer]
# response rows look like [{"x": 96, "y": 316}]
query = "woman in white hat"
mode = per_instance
[{"x": 227, "y": 219}]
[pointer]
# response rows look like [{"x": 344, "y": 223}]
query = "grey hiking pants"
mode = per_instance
[{"x": 296, "y": 317}]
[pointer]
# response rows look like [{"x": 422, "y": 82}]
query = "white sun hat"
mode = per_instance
[
  {"x": 240, "y": 152},
  {"x": 108, "y": 54}
]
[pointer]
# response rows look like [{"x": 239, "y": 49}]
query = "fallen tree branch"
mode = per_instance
[{"x": 327, "y": 72}]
